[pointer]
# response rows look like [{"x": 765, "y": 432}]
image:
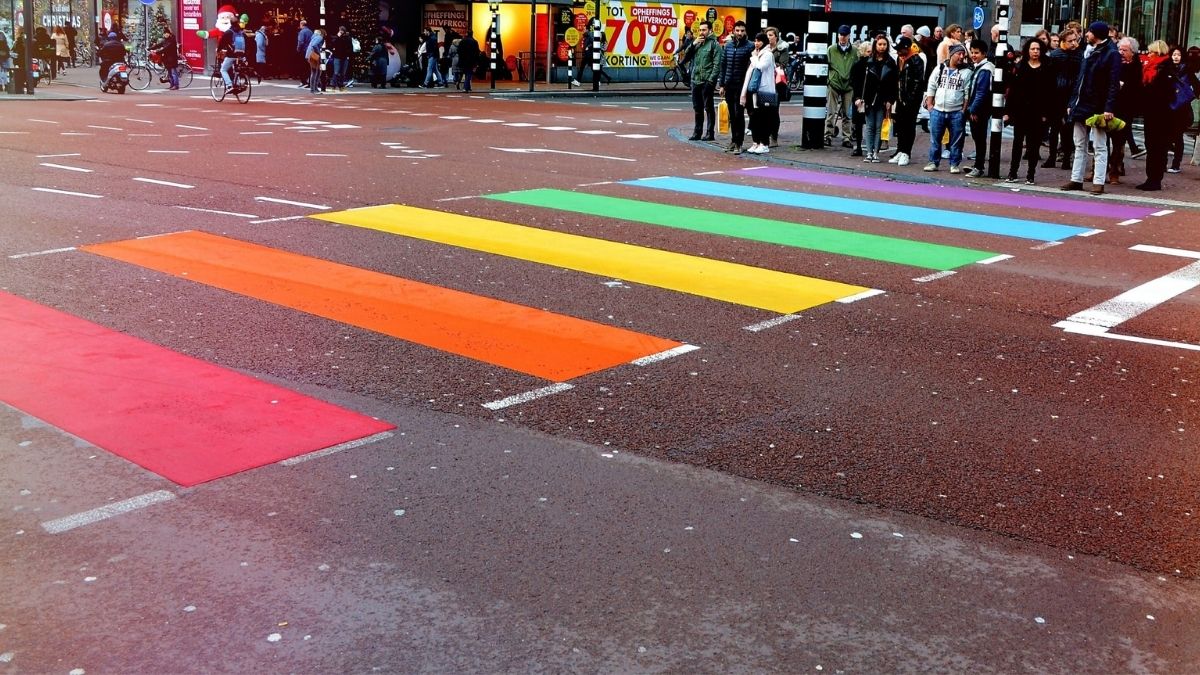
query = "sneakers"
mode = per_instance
[
  {"x": 896, "y": 158},
  {"x": 931, "y": 167},
  {"x": 954, "y": 169},
  {"x": 974, "y": 173},
  {"x": 1174, "y": 169},
  {"x": 904, "y": 159},
  {"x": 1072, "y": 186},
  {"x": 575, "y": 83},
  {"x": 1010, "y": 179},
  {"x": 1029, "y": 181},
  {"x": 875, "y": 158},
  {"x": 868, "y": 158}
]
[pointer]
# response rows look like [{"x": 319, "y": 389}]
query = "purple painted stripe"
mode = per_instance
[{"x": 1101, "y": 209}]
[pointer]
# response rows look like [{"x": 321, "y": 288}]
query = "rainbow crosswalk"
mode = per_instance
[{"x": 551, "y": 347}]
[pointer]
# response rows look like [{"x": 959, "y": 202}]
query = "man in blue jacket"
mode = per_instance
[
  {"x": 979, "y": 103},
  {"x": 1095, "y": 94},
  {"x": 735, "y": 62}
]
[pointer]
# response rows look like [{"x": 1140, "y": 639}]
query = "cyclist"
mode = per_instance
[
  {"x": 169, "y": 49},
  {"x": 233, "y": 45}
]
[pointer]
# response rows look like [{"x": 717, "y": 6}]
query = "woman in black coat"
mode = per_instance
[
  {"x": 1182, "y": 117},
  {"x": 1158, "y": 91},
  {"x": 1029, "y": 109},
  {"x": 879, "y": 91}
]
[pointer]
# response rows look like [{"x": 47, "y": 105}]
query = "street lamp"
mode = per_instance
[{"x": 494, "y": 6}]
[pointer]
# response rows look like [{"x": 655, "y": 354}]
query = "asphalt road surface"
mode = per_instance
[{"x": 447, "y": 383}]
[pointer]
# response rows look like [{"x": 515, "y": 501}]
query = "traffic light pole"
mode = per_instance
[{"x": 1000, "y": 59}]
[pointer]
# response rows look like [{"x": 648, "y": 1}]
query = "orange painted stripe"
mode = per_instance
[{"x": 524, "y": 339}]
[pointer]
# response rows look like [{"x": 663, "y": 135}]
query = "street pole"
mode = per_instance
[
  {"x": 597, "y": 49},
  {"x": 27, "y": 53},
  {"x": 816, "y": 84},
  {"x": 763, "y": 22},
  {"x": 999, "y": 58},
  {"x": 495, "y": 7},
  {"x": 533, "y": 41}
]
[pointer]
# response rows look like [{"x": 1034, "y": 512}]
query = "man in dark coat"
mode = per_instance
[
  {"x": 468, "y": 58},
  {"x": 168, "y": 50},
  {"x": 735, "y": 61},
  {"x": 1066, "y": 61},
  {"x": 1095, "y": 94}
]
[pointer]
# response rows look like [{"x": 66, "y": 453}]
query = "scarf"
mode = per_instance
[{"x": 1151, "y": 69}]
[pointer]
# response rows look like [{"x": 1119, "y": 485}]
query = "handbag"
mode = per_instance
[
  {"x": 885, "y": 132},
  {"x": 755, "y": 80},
  {"x": 1183, "y": 94},
  {"x": 723, "y": 117}
]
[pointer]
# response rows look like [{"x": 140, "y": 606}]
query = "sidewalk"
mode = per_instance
[{"x": 1179, "y": 190}]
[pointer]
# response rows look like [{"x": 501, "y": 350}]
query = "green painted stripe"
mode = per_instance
[{"x": 812, "y": 237}]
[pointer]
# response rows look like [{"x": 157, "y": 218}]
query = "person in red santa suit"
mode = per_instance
[{"x": 226, "y": 15}]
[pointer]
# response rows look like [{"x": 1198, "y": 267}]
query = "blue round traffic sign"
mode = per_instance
[{"x": 977, "y": 18}]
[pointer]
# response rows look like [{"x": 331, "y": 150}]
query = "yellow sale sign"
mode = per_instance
[{"x": 647, "y": 34}]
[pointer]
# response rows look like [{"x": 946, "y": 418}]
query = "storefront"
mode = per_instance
[
  {"x": 75, "y": 16},
  {"x": 1174, "y": 21}
]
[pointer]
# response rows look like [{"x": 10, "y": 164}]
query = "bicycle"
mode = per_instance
[
  {"x": 240, "y": 76},
  {"x": 146, "y": 67},
  {"x": 675, "y": 76}
]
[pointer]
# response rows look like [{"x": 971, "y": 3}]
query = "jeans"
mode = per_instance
[
  {"x": 704, "y": 107},
  {"x": 873, "y": 121},
  {"x": 467, "y": 75},
  {"x": 340, "y": 68},
  {"x": 939, "y": 122},
  {"x": 432, "y": 74},
  {"x": 1100, "y": 141},
  {"x": 314, "y": 78},
  {"x": 226, "y": 66}
]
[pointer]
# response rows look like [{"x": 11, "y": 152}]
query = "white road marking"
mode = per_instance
[
  {"x": 313, "y": 131},
  {"x": 994, "y": 259},
  {"x": 664, "y": 355},
  {"x": 169, "y": 152},
  {"x": 343, "y": 126},
  {"x": 933, "y": 277},
  {"x": 60, "y": 525},
  {"x": 557, "y": 128},
  {"x": 159, "y": 105},
  {"x": 710, "y": 173},
  {"x": 311, "y": 122},
  {"x": 164, "y": 182},
  {"x": 131, "y": 119},
  {"x": 1043, "y": 247},
  {"x": 634, "y": 135},
  {"x": 769, "y": 323},
  {"x": 1131, "y": 221},
  {"x": 276, "y": 220},
  {"x": 14, "y": 133},
  {"x": 455, "y": 199},
  {"x": 67, "y": 192},
  {"x": 322, "y": 154},
  {"x": 67, "y": 168},
  {"x": 1165, "y": 212},
  {"x": 603, "y": 182},
  {"x": 595, "y": 132},
  {"x": 223, "y": 213},
  {"x": 46, "y": 252},
  {"x": 42, "y": 121},
  {"x": 97, "y": 126},
  {"x": 292, "y": 461},
  {"x": 1097, "y": 331},
  {"x": 528, "y": 396},
  {"x": 255, "y": 133},
  {"x": 64, "y": 154},
  {"x": 453, "y": 117},
  {"x": 1090, "y": 233},
  {"x": 520, "y": 124},
  {"x": 565, "y": 152},
  {"x": 320, "y": 207},
  {"x": 75, "y": 133},
  {"x": 145, "y": 135},
  {"x": 193, "y": 135},
  {"x": 244, "y": 152},
  {"x": 1182, "y": 253},
  {"x": 188, "y": 126},
  {"x": 1137, "y": 300},
  {"x": 861, "y": 296}
]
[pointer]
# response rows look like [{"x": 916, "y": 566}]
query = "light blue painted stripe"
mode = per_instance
[{"x": 958, "y": 220}]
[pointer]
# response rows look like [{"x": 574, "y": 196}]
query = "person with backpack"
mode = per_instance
[{"x": 233, "y": 45}]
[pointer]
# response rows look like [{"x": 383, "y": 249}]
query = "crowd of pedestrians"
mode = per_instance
[{"x": 1071, "y": 98}]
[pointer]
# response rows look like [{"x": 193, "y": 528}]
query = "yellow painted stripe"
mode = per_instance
[{"x": 731, "y": 282}]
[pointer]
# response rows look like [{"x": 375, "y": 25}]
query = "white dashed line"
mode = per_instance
[
  {"x": 528, "y": 396},
  {"x": 1164, "y": 212},
  {"x": 64, "y": 154},
  {"x": 164, "y": 182},
  {"x": 322, "y": 154},
  {"x": 188, "y": 126},
  {"x": 292, "y": 461},
  {"x": 168, "y": 152},
  {"x": 67, "y": 192},
  {"x": 861, "y": 296},
  {"x": 46, "y": 252},
  {"x": 934, "y": 277},
  {"x": 664, "y": 355},
  {"x": 769, "y": 323},
  {"x": 222, "y": 213},
  {"x": 60, "y": 525},
  {"x": 273, "y": 200},
  {"x": 994, "y": 259},
  {"x": 1131, "y": 221},
  {"x": 66, "y": 168}
]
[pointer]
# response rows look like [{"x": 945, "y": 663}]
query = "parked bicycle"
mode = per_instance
[
  {"x": 240, "y": 75},
  {"x": 146, "y": 67}
]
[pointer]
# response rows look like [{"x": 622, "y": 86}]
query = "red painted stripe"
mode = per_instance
[{"x": 180, "y": 417}]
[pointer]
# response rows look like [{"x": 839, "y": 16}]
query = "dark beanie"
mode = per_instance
[
  {"x": 1099, "y": 29},
  {"x": 762, "y": 37}
]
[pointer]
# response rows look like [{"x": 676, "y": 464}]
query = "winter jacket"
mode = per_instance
[
  {"x": 302, "y": 39},
  {"x": 1129, "y": 96},
  {"x": 1099, "y": 79},
  {"x": 840, "y": 63},
  {"x": 979, "y": 89},
  {"x": 782, "y": 54},
  {"x": 468, "y": 53},
  {"x": 342, "y": 46},
  {"x": 169, "y": 48},
  {"x": 910, "y": 84},
  {"x": 879, "y": 84},
  {"x": 1027, "y": 100},
  {"x": 261, "y": 39},
  {"x": 735, "y": 61},
  {"x": 707, "y": 58}
]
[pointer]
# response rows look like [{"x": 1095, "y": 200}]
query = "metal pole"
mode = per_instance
[
  {"x": 533, "y": 41},
  {"x": 816, "y": 84},
  {"x": 495, "y": 38},
  {"x": 27, "y": 54},
  {"x": 597, "y": 49},
  {"x": 763, "y": 23},
  {"x": 570, "y": 66},
  {"x": 999, "y": 58}
]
